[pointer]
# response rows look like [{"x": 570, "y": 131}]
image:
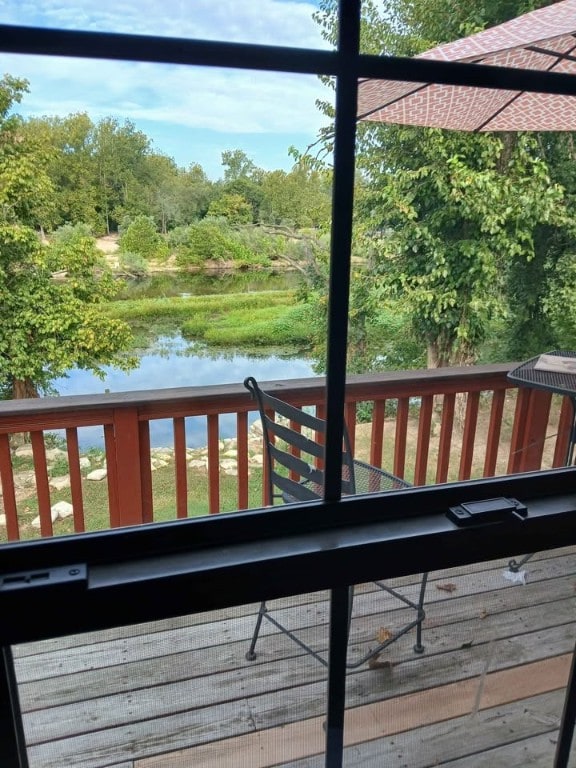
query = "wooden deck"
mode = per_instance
[{"x": 488, "y": 690}]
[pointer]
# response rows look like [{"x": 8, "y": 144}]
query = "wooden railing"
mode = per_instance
[{"x": 427, "y": 426}]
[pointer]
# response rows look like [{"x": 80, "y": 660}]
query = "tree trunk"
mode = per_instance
[{"x": 23, "y": 388}]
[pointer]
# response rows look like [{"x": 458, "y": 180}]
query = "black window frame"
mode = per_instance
[{"x": 183, "y": 566}]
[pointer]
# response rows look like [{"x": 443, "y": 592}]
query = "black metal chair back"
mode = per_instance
[{"x": 294, "y": 455}]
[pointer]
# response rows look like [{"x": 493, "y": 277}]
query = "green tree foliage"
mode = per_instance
[
  {"x": 231, "y": 207},
  {"x": 50, "y": 296},
  {"x": 300, "y": 198},
  {"x": 142, "y": 238},
  {"x": 447, "y": 217}
]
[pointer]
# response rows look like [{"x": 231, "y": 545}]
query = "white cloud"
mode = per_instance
[
  {"x": 272, "y": 22},
  {"x": 229, "y": 102}
]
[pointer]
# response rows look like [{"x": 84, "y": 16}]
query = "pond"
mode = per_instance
[
  {"x": 174, "y": 362},
  {"x": 171, "y": 361},
  {"x": 165, "y": 284}
]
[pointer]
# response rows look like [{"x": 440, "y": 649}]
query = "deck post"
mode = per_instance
[{"x": 128, "y": 458}]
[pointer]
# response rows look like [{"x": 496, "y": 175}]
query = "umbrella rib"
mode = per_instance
[
  {"x": 559, "y": 56},
  {"x": 546, "y": 52},
  {"x": 389, "y": 103}
]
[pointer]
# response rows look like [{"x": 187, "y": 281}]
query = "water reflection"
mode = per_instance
[{"x": 173, "y": 362}]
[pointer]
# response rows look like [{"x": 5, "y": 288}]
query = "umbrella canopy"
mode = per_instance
[{"x": 541, "y": 40}]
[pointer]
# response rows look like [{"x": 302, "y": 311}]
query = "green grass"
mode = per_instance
[
  {"x": 95, "y": 497},
  {"x": 259, "y": 319}
]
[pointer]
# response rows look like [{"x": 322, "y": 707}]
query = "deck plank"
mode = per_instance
[
  {"x": 392, "y": 717},
  {"x": 460, "y": 742}
]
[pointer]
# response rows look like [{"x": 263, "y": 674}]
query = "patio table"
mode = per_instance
[{"x": 558, "y": 381}]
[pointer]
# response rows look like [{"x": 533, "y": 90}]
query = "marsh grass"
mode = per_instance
[{"x": 261, "y": 319}]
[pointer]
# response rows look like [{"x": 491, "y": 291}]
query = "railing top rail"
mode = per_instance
[{"x": 221, "y": 398}]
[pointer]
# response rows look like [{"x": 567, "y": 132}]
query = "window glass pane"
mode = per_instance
[
  {"x": 490, "y": 683},
  {"x": 178, "y": 692},
  {"x": 180, "y": 180},
  {"x": 269, "y": 22}
]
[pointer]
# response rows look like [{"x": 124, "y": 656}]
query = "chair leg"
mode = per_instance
[
  {"x": 418, "y": 647},
  {"x": 251, "y": 652}
]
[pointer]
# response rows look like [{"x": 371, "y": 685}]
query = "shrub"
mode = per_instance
[
  {"x": 141, "y": 238},
  {"x": 133, "y": 264}
]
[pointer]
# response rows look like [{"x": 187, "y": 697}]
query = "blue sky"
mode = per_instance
[{"x": 190, "y": 114}]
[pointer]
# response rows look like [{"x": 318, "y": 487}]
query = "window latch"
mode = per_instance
[
  {"x": 69, "y": 575},
  {"x": 496, "y": 510}
]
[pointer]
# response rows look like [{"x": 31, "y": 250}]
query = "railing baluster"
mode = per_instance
[
  {"x": 112, "y": 475},
  {"x": 8, "y": 490},
  {"x": 180, "y": 468},
  {"x": 563, "y": 433},
  {"x": 42, "y": 486},
  {"x": 146, "y": 472},
  {"x": 518, "y": 430},
  {"x": 350, "y": 415},
  {"x": 469, "y": 435},
  {"x": 75, "y": 479},
  {"x": 535, "y": 430},
  {"x": 445, "y": 442},
  {"x": 213, "y": 464},
  {"x": 494, "y": 432},
  {"x": 242, "y": 458},
  {"x": 401, "y": 432},
  {"x": 423, "y": 445},
  {"x": 377, "y": 433}
]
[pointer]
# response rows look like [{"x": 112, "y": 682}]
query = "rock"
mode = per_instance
[
  {"x": 231, "y": 453},
  {"x": 256, "y": 461},
  {"x": 61, "y": 509},
  {"x": 232, "y": 471},
  {"x": 157, "y": 463},
  {"x": 256, "y": 428},
  {"x": 2, "y": 519},
  {"x": 85, "y": 462},
  {"x": 24, "y": 451},
  {"x": 24, "y": 479},
  {"x": 59, "y": 483},
  {"x": 53, "y": 454},
  {"x": 97, "y": 474},
  {"x": 36, "y": 522},
  {"x": 228, "y": 464},
  {"x": 198, "y": 464}
]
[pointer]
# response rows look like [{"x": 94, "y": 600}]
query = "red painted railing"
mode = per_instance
[{"x": 427, "y": 426}]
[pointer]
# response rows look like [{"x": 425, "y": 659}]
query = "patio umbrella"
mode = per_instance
[{"x": 541, "y": 40}]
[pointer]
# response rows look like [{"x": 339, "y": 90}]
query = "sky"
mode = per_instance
[{"x": 190, "y": 114}]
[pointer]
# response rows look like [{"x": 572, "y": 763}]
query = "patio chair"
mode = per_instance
[{"x": 294, "y": 455}]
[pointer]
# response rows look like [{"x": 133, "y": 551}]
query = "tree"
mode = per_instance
[
  {"x": 68, "y": 143},
  {"x": 142, "y": 238},
  {"x": 301, "y": 198},
  {"x": 446, "y": 215},
  {"x": 234, "y": 208},
  {"x": 51, "y": 297}
]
